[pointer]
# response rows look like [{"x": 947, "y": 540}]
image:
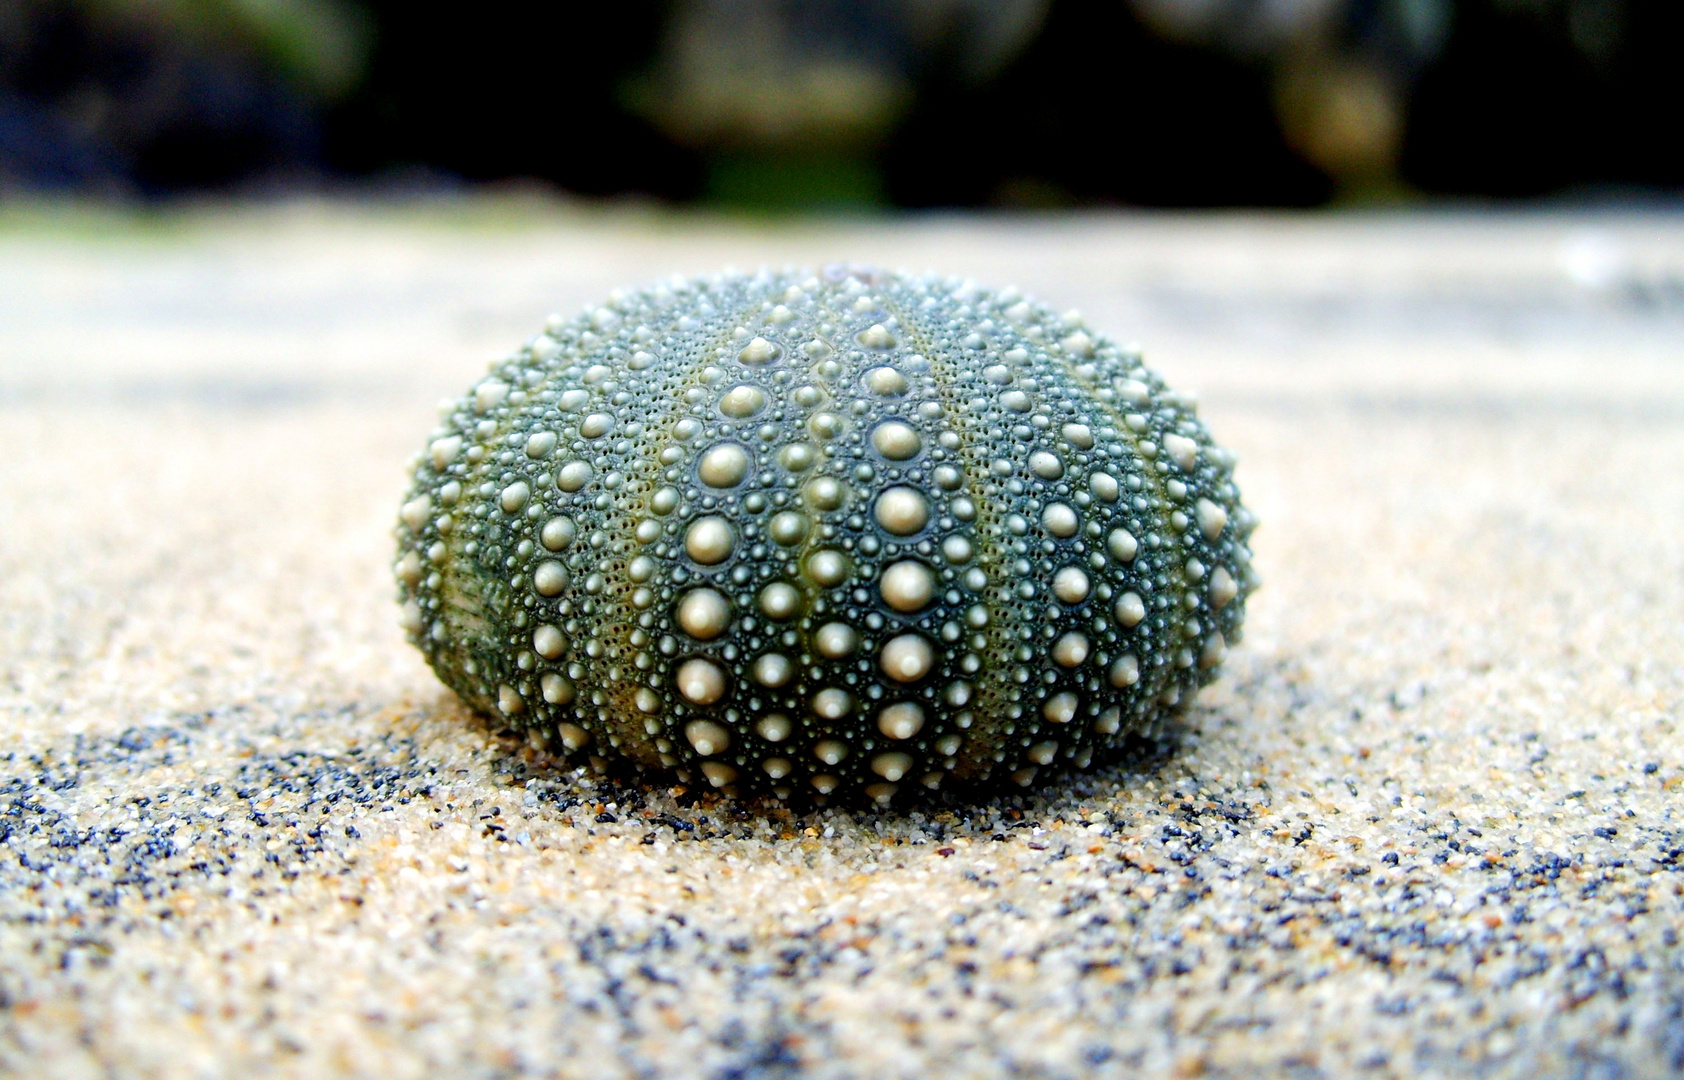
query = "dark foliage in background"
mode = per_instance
[
  {"x": 909, "y": 102},
  {"x": 98, "y": 99},
  {"x": 1098, "y": 109},
  {"x": 1527, "y": 100},
  {"x": 512, "y": 90}
]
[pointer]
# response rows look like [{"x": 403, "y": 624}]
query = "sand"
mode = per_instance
[{"x": 1430, "y": 822}]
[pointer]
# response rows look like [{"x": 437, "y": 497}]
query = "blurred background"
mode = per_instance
[{"x": 825, "y": 104}]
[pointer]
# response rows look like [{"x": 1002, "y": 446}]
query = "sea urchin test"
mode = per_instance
[{"x": 847, "y": 535}]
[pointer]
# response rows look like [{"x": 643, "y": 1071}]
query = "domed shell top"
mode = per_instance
[{"x": 839, "y": 535}]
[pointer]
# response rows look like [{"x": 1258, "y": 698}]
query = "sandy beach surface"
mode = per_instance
[{"x": 1429, "y": 823}]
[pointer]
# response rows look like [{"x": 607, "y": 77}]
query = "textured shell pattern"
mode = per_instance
[{"x": 844, "y": 535}]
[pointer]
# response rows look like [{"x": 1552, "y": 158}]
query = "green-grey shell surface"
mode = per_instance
[{"x": 845, "y": 536}]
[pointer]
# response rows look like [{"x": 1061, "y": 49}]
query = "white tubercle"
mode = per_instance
[
  {"x": 907, "y": 658},
  {"x": 707, "y": 737},
  {"x": 907, "y": 586},
  {"x": 704, "y": 614},
  {"x": 901, "y": 720},
  {"x": 701, "y": 681}
]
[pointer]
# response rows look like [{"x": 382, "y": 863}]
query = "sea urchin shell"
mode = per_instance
[{"x": 824, "y": 536}]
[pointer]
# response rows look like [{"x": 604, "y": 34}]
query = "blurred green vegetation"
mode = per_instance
[
  {"x": 321, "y": 46},
  {"x": 793, "y": 105}
]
